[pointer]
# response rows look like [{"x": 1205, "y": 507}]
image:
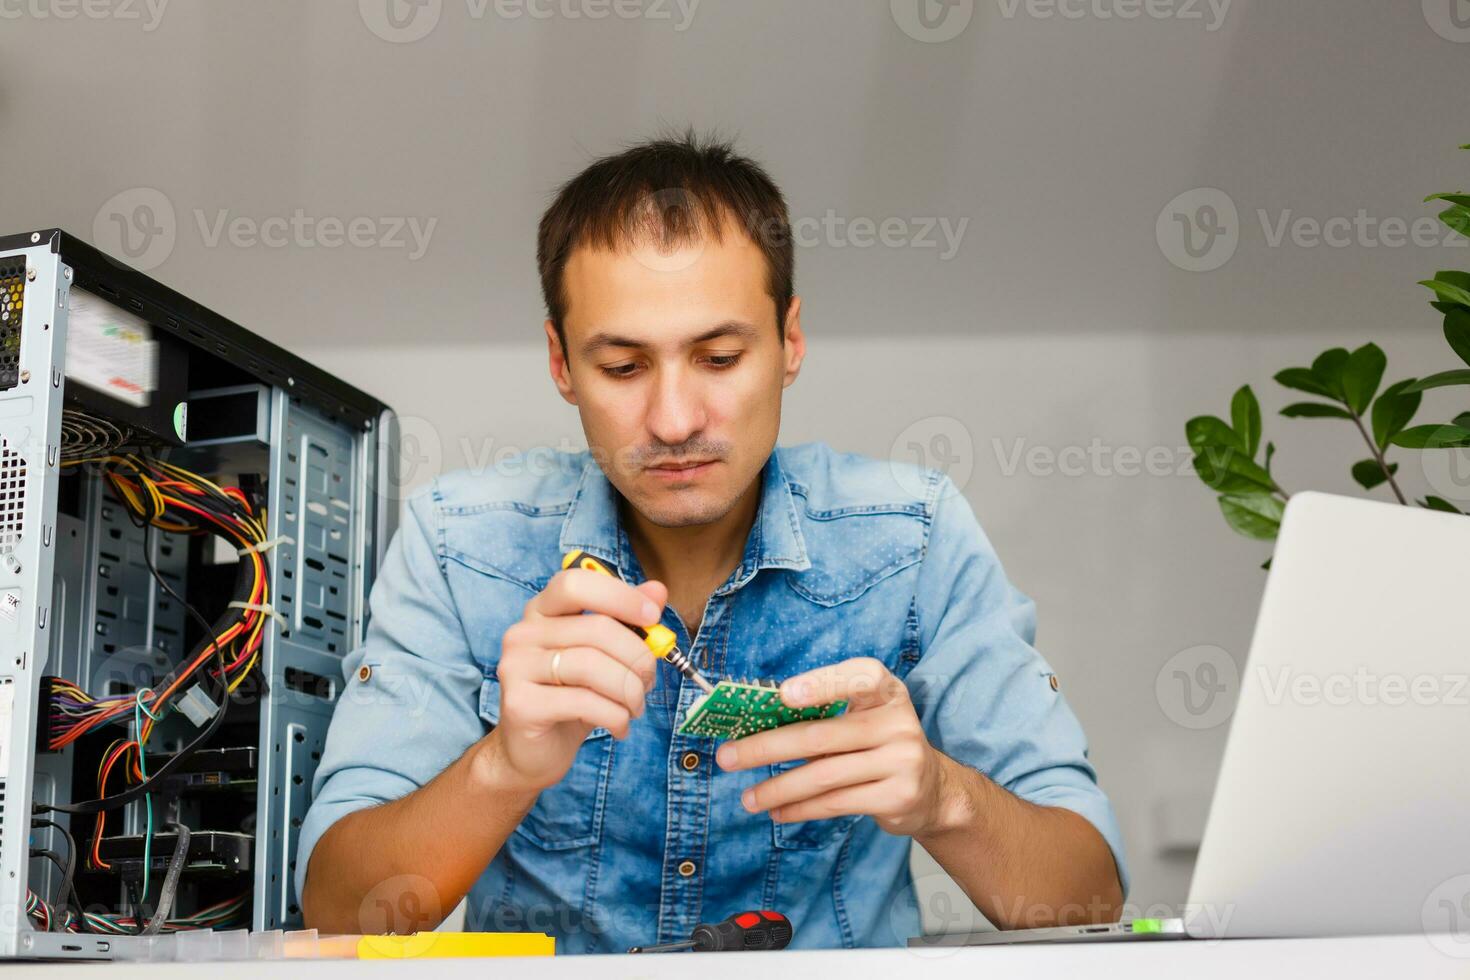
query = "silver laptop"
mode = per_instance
[{"x": 1344, "y": 793}]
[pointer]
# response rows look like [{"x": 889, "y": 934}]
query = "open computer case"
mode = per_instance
[{"x": 190, "y": 522}]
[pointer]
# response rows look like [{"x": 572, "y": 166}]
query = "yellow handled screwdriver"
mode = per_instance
[{"x": 659, "y": 639}]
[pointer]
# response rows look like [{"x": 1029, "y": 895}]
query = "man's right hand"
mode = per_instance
[{"x": 604, "y": 668}]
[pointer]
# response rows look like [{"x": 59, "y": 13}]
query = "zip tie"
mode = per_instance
[
  {"x": 264, "y": 607},
  {"x": 265, "y": 546}
]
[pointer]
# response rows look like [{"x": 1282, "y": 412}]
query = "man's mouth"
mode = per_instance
[{"x": 682, "y": 469}]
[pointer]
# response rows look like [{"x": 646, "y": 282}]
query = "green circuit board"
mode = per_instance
[{"x": 737, "y": 708}]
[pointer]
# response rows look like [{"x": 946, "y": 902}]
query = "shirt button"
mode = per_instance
[
  {"x": 364, "y": 673},
  {"x": 686, "y": 868},
  {"x": 690, "y": 761}
]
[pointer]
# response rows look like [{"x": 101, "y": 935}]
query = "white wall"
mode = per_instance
[{"x": 1060, "y": 319}]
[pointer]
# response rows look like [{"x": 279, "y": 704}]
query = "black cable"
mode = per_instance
[
  {"x": 67, "y": 869},
  {"x": 170, "y": 882},
  {"x": 68, "y": 890}
]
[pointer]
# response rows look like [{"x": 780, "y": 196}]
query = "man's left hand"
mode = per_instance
[{"x": 873, "y": 759}]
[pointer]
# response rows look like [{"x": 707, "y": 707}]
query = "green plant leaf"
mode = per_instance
[
  {"x": 1462, "y": 420},
  {"x": 1448, "y": 291},
  {"x": 1393, "y": 410},
  {"x": 1314, "y": 410},
  {"x": 1457, "y": 219},
  {"x": 1463, "y": 200},
  {"x": 1457, "y": 332},
  {"x": 1270, "y": 451},
  {"x": 1444, "y": 436},
  {"x": 1266, "y": 565},
  {"x": 1229, "y": 470},
  {"x": 1245, "y": 413},
  {"x": 1255, "y": 515},
  {"x": 1439, "y": 503},
  {"x": 1440, "y": 380},
  {"x": 1302, "y": 379},
  {"x": 1328, "y": 369},
  {"x": 1207, "y": 430},
  {"x": 1369, "y": 474},
  {"x": 1361, "y": 376}
]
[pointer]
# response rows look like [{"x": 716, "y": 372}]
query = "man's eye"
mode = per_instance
[
  {"x": 723, "y": 360},
  {"x": 620, "y": 370}
]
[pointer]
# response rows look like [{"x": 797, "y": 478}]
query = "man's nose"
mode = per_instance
[{"x": 675, "y": 411}]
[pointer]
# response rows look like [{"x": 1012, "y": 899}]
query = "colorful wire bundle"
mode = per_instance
[
  {"x": 160, "y": 495},
  {"x": 229, "y": 912},
  {"x": 170, "y": 498}
]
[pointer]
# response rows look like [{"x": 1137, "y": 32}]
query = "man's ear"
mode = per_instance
[
  {"x": 556, "y": 357},
  {"x": 794, "y": 348}
]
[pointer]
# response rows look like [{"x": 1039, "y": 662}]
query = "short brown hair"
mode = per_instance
[{"x": 673, "y": 189}]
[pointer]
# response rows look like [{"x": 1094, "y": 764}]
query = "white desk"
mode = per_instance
[{"x": 1375, "y": 956}]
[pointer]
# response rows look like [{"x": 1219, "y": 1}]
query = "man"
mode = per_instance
[{"x": 505, "y": 736}]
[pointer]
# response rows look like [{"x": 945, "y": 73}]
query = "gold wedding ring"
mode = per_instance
[{"x": 556, "y": 669}]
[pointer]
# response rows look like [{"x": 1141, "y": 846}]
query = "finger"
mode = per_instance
[
  {"x": 803, "y": 740},
  {"x": 868, "y": 798},
  {"x": 575, "y": 590},
  {"x": 554, "y": 705},
  {"x": 598, "y": 631},
  {"x": 589, "y": 667},
  {"x": 656, "y": 591},
  {"x": 863, "y": 682},
  {"x": 815, "y": 779}
]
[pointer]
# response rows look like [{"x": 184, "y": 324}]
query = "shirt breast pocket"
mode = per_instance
[
  {"x": 809, "y": 835},
  {"x": 569, "y": 814}
]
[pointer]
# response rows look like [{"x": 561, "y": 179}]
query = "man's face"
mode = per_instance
[{"x": 675, "y": 364}]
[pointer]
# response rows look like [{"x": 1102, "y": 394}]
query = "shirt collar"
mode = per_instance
[{"x": 775, "y": 539}]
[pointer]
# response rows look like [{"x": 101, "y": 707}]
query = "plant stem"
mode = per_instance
[{"x": 1378, "y": 457}]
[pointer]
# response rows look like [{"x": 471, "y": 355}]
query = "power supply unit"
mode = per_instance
[{"x": 190, "y": 522}]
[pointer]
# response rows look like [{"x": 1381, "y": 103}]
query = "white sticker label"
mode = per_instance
[
  {"x": 9, "y": 604},
  {"x": 110, "y": 349}
]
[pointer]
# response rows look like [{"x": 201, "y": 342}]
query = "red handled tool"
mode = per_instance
[{"x": 743, "y": 930}]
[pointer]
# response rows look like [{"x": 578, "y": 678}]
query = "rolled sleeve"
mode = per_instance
[
  {"x": 985, "y": 696},
  {"x": 410, "y": 704}
]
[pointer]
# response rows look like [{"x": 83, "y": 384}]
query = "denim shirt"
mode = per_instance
[{"x": 646, "y": 837}]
